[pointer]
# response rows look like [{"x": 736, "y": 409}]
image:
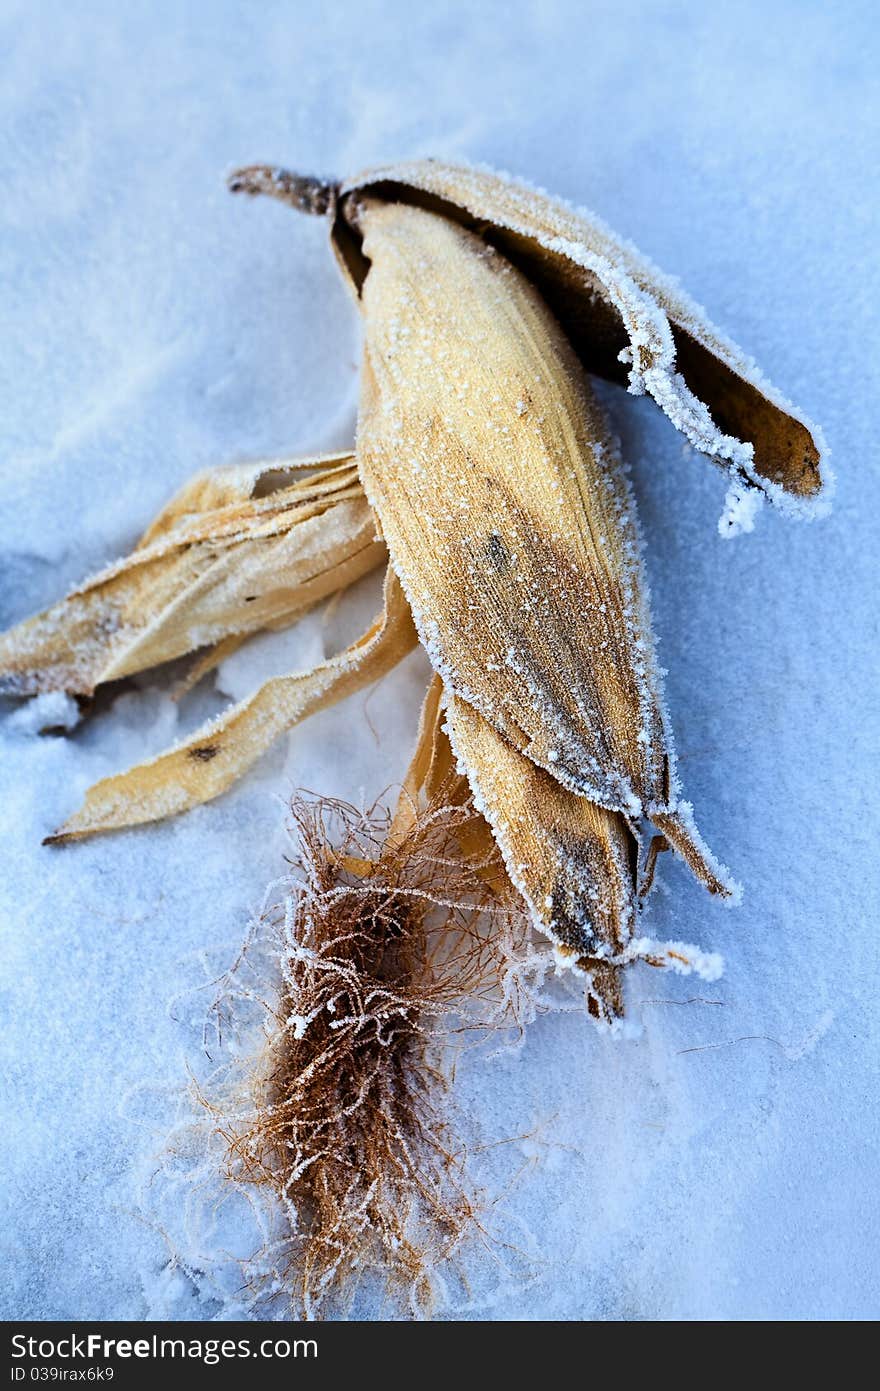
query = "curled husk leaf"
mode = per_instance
[
  {"x": 625, "y": 319},
  {"x": 239, "y": 550},
  {"x": 220, "y": 751}
]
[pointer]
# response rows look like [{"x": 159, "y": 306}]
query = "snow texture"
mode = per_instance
[{"x": 153, "y": 326}]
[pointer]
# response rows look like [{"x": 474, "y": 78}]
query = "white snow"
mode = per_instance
[
  {"x": 51, "y": 710},
  {"x": 741, "y": 508},
  {"x": 717, "y": 1159}
]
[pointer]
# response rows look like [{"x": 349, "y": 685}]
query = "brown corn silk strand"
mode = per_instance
[{"x": 395, "y": 944}]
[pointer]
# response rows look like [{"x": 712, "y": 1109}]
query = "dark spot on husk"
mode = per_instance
[
  {"x": 567, "y": 929},
  {"x": 205, "y": 752},
  {"x": 497, "y": 553}
]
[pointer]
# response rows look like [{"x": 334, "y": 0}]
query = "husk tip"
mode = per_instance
[{"x": 303, "y": 192}]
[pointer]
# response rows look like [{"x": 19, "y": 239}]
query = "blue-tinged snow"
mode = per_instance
[{"x": 724, "y": 1162}]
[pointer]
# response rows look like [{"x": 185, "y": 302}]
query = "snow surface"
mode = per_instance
[{"x": 720, "y": 1161}]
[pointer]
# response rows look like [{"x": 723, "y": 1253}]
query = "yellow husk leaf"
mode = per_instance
[
  {"x": 575, "y": 863},
  {"x": 433, "y": 779},
  {"x": 239, "y": 550},
  {"x": 310, "y": 477},
  {"x": 432, "y": 766},
  {"x": 556, "y": 847},
  {"x": 219, "y": 752},
  {"x": 625, "y": 319}
]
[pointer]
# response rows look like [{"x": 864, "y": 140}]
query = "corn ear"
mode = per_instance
[
  {"x": 505, "y": 510},
  {"x": 510, "y": 522}
]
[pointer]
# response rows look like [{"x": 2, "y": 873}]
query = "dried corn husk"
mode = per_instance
[
  {"x": 626, "y": 320},
  {"x": 239, "y": 550},
  {"x": 220, "y": 751},
  {"x": 435, "y": 777},
  {"x": 559, "y": 850}
]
